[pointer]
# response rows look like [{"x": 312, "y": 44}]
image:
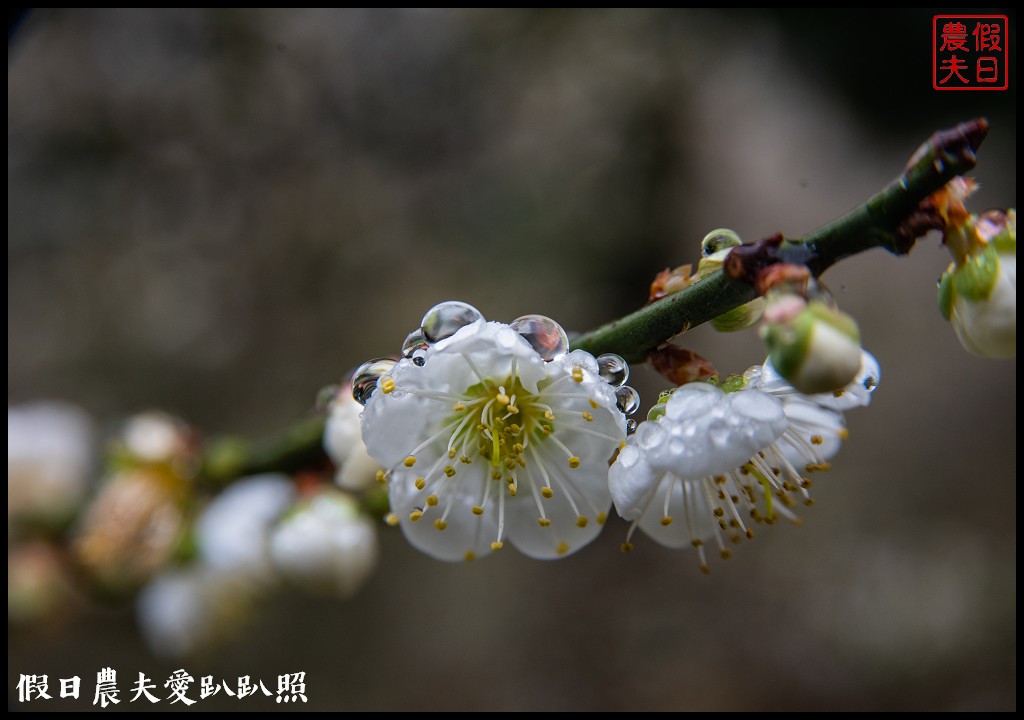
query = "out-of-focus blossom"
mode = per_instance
[
  {"x": 233, "y": 531},
  {"x": 188, "y": 609},
  {"x": 132, "y": 528},
  {"x": 49, "y": 458},
  {"x": 343, "y": 441},
  {"x": 38, "y": 586},
  {"x": 326, "y": 544},
  {"x": 978, "y": 292}
]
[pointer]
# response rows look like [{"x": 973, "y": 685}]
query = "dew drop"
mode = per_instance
[
  {"x": 629, "y": 455},
  {"x": 651, "y": 436},
  {"x": 718, "y": 433},
  {"x": 414, "y": 341},
  {"x": 612, "y": 369},
  {"x": 544, "y": 335},
  {"x": 447, "y": 318},
  {"x": 627, "y": 399},
  {"x": 364, "y": 379},
  {"x": 719, "y": 239},
  {"x": 630, "y": 426},
  {"x": 870, "y": 383}
]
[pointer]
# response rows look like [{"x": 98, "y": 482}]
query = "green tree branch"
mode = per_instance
[{"x": 891, "y": 219}]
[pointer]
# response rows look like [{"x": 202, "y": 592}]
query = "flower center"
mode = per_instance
[{"x": 497, "y": 421}]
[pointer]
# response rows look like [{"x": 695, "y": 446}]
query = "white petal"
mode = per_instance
[
  {"x": 342, "y": 430},
  {"x": 233, "y": 530},
  {"x": 464, "y": 532},
  {"x": 812, "y": 420},
  {"x": 632, "y": 480},
  {"x": 711, "y": 432},
  {"x": 691, "y": 514}
]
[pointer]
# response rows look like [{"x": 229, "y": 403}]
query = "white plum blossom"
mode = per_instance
[
  {"x": 857, "y": 394},
  {"x": 49, "y": 454},
  {"x": 710, "y": 461},
  {"x": 343, "y": 442},
  {"x": 233, "y": 531},
  {"x": 326, "y": 543},
  {"x": 185, "y": 610},
  {"x": 488, "y": 441}
]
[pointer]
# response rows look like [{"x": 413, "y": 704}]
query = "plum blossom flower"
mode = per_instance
[
  {"x": 711, "y": 461},
  {"x": 493, "y": 433},
  {"x": 326, "y": 543},
  {"x": 49, "y": 454}
]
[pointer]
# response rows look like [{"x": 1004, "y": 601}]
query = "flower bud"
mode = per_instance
[
  {"x": 814, "y": 346},
  {"x": 326, "y": 544},
  {"x": 978, "y": 294}
]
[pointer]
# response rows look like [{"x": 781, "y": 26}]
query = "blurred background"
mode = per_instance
[{"x": 218, "y": 212}]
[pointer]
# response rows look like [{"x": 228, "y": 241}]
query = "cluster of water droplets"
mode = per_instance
[{"x": 543, "y": 334}]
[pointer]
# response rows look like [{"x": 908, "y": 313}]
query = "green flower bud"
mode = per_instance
[
  {"x": 814, "y": 346},
  {"x": 979, "y": 296}
]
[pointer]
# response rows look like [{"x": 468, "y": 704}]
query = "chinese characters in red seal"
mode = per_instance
[{"x": 970, "y": 52}]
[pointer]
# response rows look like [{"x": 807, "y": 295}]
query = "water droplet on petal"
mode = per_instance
[
  {"x": 364, "y": 379},
  {"x": 419, "y": 358},
  {"x": 628, "y": 456},
  {"x": 544, "y": 335},
  {"x": 447, "y": 318},
  {"x": 581, "y": 359},
  {"x": 870, "y": 372},
  {"x": 627, "y": 399},
  {"x": 613, "y": 369},
  {"x": 414, "y": 341},
  {"x": 718, "y": 433},
  {"x": 651, "y": 435},
  {"x": 630, "y": 426}
]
